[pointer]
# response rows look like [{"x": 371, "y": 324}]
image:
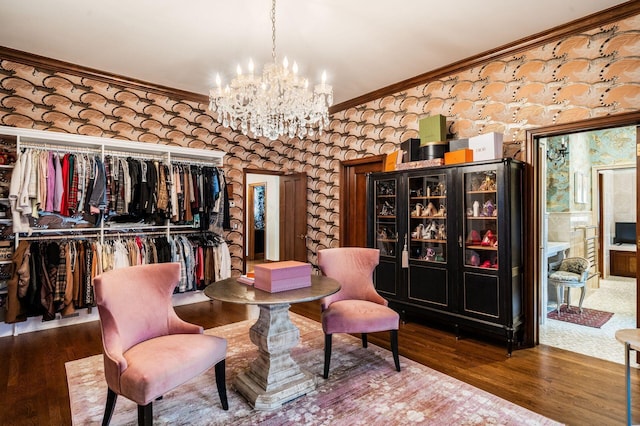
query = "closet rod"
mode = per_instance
[
  {"x": 191, "y": 231},
  {"x": 134, "y": 234},
  {"x": 51, "y": 147},
  {"x": 64, "y": 231},
  {"x": 63, "y": 236},
  {"x": 194, "y": 163},
  {"x": 123, "y": 154}
]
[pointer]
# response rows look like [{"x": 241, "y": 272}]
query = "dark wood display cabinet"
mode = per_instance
[{"x": 450, "y": 241}]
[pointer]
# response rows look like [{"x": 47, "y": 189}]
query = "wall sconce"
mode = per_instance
[{"x": 557, "y": 155}]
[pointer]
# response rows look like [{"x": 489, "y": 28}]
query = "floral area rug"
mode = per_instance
[
  {"x": 363, "y": 389},
  {"x": 589, "y": 317}
]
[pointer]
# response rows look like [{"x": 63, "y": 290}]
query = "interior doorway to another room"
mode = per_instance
[
  {"x": 256, "y": 221},
  {"x": 266, "y": 193},
  {"x": 588, "y": 185},
  {"x": 262, "y": 218}
]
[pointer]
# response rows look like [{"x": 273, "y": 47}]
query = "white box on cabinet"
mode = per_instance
[{"x": 487, "y": 146}]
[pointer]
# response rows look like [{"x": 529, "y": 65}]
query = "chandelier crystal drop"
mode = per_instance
[{"x": 275, "y": 104}]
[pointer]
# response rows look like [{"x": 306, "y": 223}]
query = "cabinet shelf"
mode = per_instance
[
  {"x": 479, "y": 247},
  {"x": 484, "y": 268},
  {"x": 482, "y": 192},
  {"x": 425, "y": 261},
  {"x": 387, "y": 240},
  {"x": 387, "y": 196},
  {"x": 428, "y": 240},
  {"x": 482, "y": 218},
  {"x": 387, "y": 217},
  {"x": 430, "y": 197}
]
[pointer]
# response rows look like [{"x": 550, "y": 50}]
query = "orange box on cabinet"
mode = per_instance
[{"x": 459, "y": 156}]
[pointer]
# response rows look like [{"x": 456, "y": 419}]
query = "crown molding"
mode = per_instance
[
  {"x": 607, "y": 16},
  {"x": 589, "y": 22},
  {"x": 56, "y": 65}
]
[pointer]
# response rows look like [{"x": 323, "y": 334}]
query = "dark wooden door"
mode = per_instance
[
  {"x": 353, "y": 199},
  {"x": 293, "y": 217}
]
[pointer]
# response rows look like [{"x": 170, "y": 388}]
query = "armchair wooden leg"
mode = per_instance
[
  {"x": 327, "y": 355},
  {"x": 582, "y": 294},
  {"x": 394, "y": 348},
  {"x": 221, "y": 384},
  {"x": 145, "y": 414},
  {"x": 109, "y": 407},
  {"x": 364, "y": 340}
]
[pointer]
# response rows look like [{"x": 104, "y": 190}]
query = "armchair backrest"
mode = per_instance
[
  {"x": 134, "y": 304},
  {"x": 577, "y": 265},
  {"x": 353, "y": 268}
]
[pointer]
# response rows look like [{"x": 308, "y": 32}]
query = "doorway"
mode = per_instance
[
  {"x": 262, "y": 217},
  {"x": 588, "y": 187},
  {"x": 257, "y": 221},
  {"x": 535, "y": 243},
  {"x": 265, "y": 193}
]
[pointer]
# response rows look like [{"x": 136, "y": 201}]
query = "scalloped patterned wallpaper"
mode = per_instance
[{"x": 587, "y": 75}]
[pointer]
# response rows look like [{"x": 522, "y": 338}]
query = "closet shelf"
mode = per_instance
[{"x": 29, "y": 138}]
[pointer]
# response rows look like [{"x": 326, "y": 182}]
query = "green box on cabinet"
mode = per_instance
[{"x": 432, "y": 129}]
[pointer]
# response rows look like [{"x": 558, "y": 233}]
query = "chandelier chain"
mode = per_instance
[{"x": 273, "y": 30}]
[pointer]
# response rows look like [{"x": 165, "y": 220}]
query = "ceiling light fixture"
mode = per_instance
[
  {"x": 276, "y": 104},
  {"x": 558, "y": 154}
]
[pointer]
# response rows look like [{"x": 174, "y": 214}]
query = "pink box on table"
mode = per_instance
[{"x": 281, "y": 276}]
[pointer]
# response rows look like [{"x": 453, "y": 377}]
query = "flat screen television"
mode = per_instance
[{"x": 625, "y": 233}]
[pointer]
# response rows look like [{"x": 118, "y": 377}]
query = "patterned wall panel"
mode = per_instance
[
  {"x": 599, "y": 148},
  {"x": 587, "y": 75}
]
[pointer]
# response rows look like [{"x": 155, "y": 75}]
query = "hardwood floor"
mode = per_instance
[{"x": 567, "y": 387}]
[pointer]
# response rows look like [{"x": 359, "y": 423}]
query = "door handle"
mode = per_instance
[{"x": 302, "y": 236}]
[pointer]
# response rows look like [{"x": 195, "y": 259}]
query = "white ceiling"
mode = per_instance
[{"x": 364, "y": 45}]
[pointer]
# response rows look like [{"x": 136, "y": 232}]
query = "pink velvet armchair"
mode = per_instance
[
  {"x": 357, "y": 307},
  {"x": 148, "y": 349}
]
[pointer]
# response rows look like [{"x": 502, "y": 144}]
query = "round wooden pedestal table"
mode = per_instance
[
  {"x": 631, "y": 339},
  {"x": 274, "y": 377}
]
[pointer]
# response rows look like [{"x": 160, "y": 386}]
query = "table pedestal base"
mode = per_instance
[{"x": 274, "y": 378}]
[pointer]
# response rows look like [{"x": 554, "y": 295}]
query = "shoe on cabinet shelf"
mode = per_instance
[{"x": 430, "y": 210}]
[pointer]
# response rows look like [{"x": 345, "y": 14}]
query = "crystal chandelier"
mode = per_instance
[
  {"x": 278, "y": 103},
  {"x": 557, "y": 155}
]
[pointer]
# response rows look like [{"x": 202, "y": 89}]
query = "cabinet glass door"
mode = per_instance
[
  {"x": 428, "y": 255},
  {"x": 428, "y": 218},
  {"x": 385, "y": 226},
  {"x": 481, "y": 219}
]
